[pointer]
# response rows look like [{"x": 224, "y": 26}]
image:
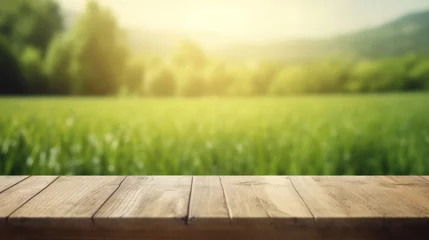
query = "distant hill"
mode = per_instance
[
  {"x": 407, "y": 34},
  {"x": 162, "y": 42},
  {"x": 159, "y": 42}
]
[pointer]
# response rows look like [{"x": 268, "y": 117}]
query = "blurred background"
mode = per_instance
[{"x": 214, "y": 87}]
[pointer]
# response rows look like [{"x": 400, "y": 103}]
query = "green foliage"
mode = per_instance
[
  {"x": 11, "y": 80},
  {"x": 26, "y": 30},
  {"x": 32, "y": 69},
  {"x": 263, "y": 76},
  {"x": 191, "y": 82},
  {"x": 419, "y": 76},
  {"x": 189, "y": 54},
  {"x": 93, "y": 58},
  {"x": 57, "y": 66},
  {"x": 98, "y": 53},
  {"x": 133, "y": 78},
  {"x": 241, "y": 86},
  {"x": 161, "y": 82},
  {"x": 218, "y": 79},
  {"x": 30, "y": 22},
  {"x": 329, "y": 135},
  {"x": 289, "y": 81}
]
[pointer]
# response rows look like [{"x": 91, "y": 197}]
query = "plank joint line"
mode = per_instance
[
  {"x": 11, "y": 186},
  {"x": 28, "y": 200},
  {"x": 98, "y": 209},
  {"x": 299, "y": 194},
  {"x": 260, "y": 201},
  {"x": 188, "y": 217},
  {"x": 426, "y": 180},
  {"x": 226, "y": 200}
]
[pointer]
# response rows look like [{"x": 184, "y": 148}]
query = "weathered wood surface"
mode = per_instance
[
  {"x": 67, "y": 202},
  {"x": 9, "y": 181},
  {"x": 373, "y": 201},
  {"x": 16, "y": 196},
  {"x": 261, "y": 202},
  {"x": 178, "y": 207},
  {"x": 147, "y": 202}
]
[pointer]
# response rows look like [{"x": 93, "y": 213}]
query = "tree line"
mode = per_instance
[{"x": 38, "y": 56}]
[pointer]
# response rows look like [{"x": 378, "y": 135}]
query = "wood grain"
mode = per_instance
[
  {"x": 8, "y": 181},
  {"x": 16, "y": 196},
  {"x": 211, "y": 207},
  {"x": 369, "y": 201},
  {"x": 264, "y": 201},
  {"x": 68, "y": 202},
  {"x": 146, "y": 203},
  {"x": 208, "y": 207}
]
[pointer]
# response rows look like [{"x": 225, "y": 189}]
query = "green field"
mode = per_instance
[{"x": 372, "y": 134}]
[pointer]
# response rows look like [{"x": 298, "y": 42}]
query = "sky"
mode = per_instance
[{"x": 261, "y": 20}]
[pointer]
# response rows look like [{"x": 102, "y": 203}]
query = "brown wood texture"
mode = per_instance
[
  {"x": 214, "y": 207},
  {"x": 68, "y": 202},
  {"x": 371, "y": 201},
  {"x": 264, "y": 201},
  {"x": 8, "y": 181},
  {"x": 208, "y": 207},
  {"x": 16, "y": 196},
  {"x": 147, "y": 202}
]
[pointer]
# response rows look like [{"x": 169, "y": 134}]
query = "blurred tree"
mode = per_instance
[
  {"x": 30, "y": 22},
  {"x": 419, "y": 76},
  {"x": 26, "y": 29},
  {"x": 161, "y": 82},
  {"x": 263, "y": 76},
  {"x": 98, "y": 52},
  {"x": 152, "y": 62},
  {"x": 11, "y": 80},
  {"x": 191, "y": 83},
  {"x": 57, "y": 64},
  {"x": 392, "y": 76},
  {"x": 32, "y": 69},
  {"x": 133, "y": 76},
  {"x": 218, "y": 79},
  {"x": 189, "y": 54},
  {"x": 290, "y": 80},
  {"x": 362, "y": 75},
  {"x": 242, "y": 84},
  {"x": 327, "y": 76}
]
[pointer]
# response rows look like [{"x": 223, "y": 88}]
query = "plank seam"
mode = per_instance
[
  {"x": 305, "y": 203},
  {"x": 260, "y": 201},
  {"x": 188, "y": 217},
  {"x": 13, "y": 185},
  {"x": 28, "y": 200},
  {"x": 426, "y": 180},
  {"x": 107, "y": 199},
  {"x": 226, "y": 200}
]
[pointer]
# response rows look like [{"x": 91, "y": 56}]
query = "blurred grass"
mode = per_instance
[{"x": 362, "y": 135}]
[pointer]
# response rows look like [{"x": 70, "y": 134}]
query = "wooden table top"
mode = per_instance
[{"x": 140, "y": 202}]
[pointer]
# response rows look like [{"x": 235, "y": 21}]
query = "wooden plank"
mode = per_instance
[
  {"x": 147, "y": 203},
  {"x": 370, "y": 201},
  {"x": 208, "y": 207},
  {"x": 16, "y": 196},
  {"x": 68, "y": 202},
  {"x": 8, "y": 181},
  {"x": 264, "y": 201},
  {"x": 282, "y": 201}
]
